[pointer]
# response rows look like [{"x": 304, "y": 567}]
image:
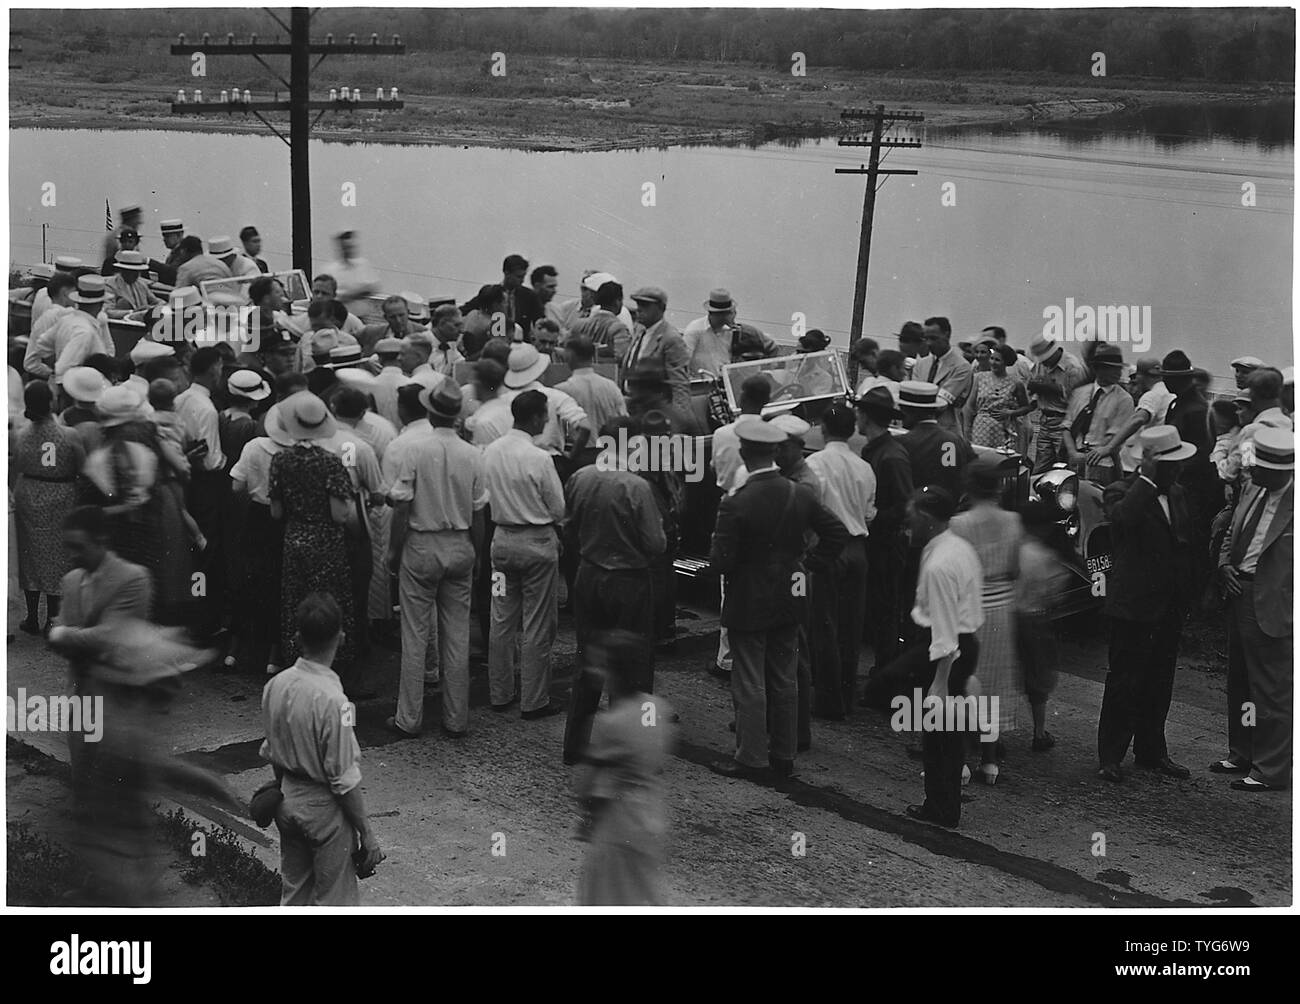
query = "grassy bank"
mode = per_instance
[{"x": 554, "y": 103}]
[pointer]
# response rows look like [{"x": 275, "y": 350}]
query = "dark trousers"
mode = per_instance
[
  {"x": 207, "y": 499},
  {"x": 1139, "y": 687},
  {"x": 850, "y": 597},
  {"x": 664, "y": 585},
  {"x": 605, "y": 599},
  {"x": 819, "y": 654},
  {"x": 886, "y": 557},
  {"x": 1260, "y": 670},
  {"x": 943, "y": 752}
]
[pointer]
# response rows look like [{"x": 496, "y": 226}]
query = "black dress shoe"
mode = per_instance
[
  {"x": 454, "y": 733},
  {"x": 1228, "y": 767},
  {"x": 743, "y": 771},
  {"x": 29, "y": 627},
  {"x": 1250, "y": 784},
  {"x": 781, "y": 768},
  {"x": 390, "y": 723},
  {"x": 1111, "y": 772},
  {"x": 1165, "y": 766},
  {"x": 715, "y": 670},
  {"x": 918, "y": 813},
  {"x": 543, "y": 712},
  {"x": 508, "y": 705}
]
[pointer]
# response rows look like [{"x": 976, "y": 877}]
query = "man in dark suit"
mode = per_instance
[
  {"x": 938, "y": 455},
  {"x": 1255, "y": 572},
  {"x": 758, "y": 544},
  {"x": 522, "y": 306},
  {"x": 1198, "y": 477},
  {"x": 887, "y": 542},
  {"x": 1148, "y": 593}
]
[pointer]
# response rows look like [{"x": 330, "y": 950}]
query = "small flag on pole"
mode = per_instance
[{"x": 108, "y": 217}]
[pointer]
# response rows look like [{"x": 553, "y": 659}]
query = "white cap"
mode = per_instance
[
  {"x": 144, "y": 350},
  {"x": 597, "y": 279},
  {"x": 791, "y": 425}
]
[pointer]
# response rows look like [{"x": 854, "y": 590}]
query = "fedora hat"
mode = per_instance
[
  {"x": 248, "y": 384},
  {"x": 84, "y": 384},
  {"x": 1275, "y": 448},
  {"x": 219, "y": 246},
  {"x": 1175, "y": 363},
  {"x": 119, "y": 405},
  {"x": 304, "y": 416},
  {"x": 1108, "y": 355},
  {"x": 131, "y": 260},
  {"x": 880, "y": 399},
  {"x": 814, "y": 340},
  {"x": 719, "y": 300},
  {"x": 917, "y": 394},
  {"x": 526, "y": 365},
  {"x": 90, "y": 289},
  {"x": 1041, "y": 349},
  {"x": 443, "y": 399},
  {"x": 1163, "y": 443}
]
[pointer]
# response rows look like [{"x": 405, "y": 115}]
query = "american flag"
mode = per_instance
[{"x": 108, "y": 217}]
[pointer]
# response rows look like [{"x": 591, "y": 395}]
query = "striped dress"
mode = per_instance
[{"x": 996, "y": 534}]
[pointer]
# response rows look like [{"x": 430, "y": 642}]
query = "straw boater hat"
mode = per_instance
[
  {"x": 184, "y": 296},
  {"x": 41, "y": 270},
  {"x": 343, "y": 356},
  {"x": 145, "y": 349},
  {"x": 526, "y": 365},
  {"x": 132, "y": 261},
  {"x": 1163, "y": 443},
  {"x": 443, "y": 399},
  {"x": 172, "y": 226},
  {"x": 388, "y": 346},
  {"x": 67, "y": 263},
  {"x": 248, "y": 384},
  {"x": 119, "y": 405},
  {"x": 417, "y": 307},
  {"x": 1275, "y": 449},
  {"x": 304, "y": 416},
  {"x": 84, "y": 384},
  {"x": 90, "y": 289},
  {"x": 918, "y": 394}
]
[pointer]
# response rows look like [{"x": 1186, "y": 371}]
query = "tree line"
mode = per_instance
[{"x": 1232, "y": 45}]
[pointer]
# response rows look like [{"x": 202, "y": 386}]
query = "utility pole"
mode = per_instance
[
  {"x": 880, "y": 120},
  {"x": 299, "y": 105}
]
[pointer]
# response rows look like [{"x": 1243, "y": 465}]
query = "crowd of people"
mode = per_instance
[{"x": 446, "y": 478}]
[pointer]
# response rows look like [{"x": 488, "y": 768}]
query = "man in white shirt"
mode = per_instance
[
  {"x": 42, "y": 353},
  {"x": 389, "y": 379},
  {"x": 82, "y": 332},
  {"x": 849, "y": 492},
  {"x": 63, "y": 265},
  {"x": 598, "y": 396},
  {"x": 528, "y": 508},
  {"x": 717, "y": 340},
  {"x": 1153, "y": 400},
  {"x": 564, "y": 416},
  {"x": 354, "y": 277},
  {"x": 223, "y": 249},
  {"x": 948, "y": 590}
]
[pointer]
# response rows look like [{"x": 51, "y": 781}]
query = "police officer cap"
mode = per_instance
[{"x": 760, "y": 432}]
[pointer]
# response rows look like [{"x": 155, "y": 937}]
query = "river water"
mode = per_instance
[{"x": 999, "y": 227}]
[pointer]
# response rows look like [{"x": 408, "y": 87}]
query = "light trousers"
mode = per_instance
[
  {"x": 525, "y": 595},
  {"x": 436, "y": 575},
  {"x": 316, "y": 845}
]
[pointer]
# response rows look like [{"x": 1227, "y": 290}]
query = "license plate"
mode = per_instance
[{"x": 1098, "y": 563}]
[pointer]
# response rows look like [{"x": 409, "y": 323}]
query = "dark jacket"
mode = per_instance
[
  {"x": 758, "y": 544},
  {"x": 893, "y": 469},
  {"x": 1152, "y": 570},
  {"x": 528, "y": 310},
  {"x": 938, "y": 457}
]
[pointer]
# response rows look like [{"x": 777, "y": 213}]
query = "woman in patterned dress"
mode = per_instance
[
  {"x": 310, "y": 491},
  {"x": 996, "y": 401},
  {"x": 46, "y": 460},
  {"x": 996, "y": 535}
]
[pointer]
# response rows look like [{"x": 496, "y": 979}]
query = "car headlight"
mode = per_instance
[{"x": 1059, "y": 488}]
